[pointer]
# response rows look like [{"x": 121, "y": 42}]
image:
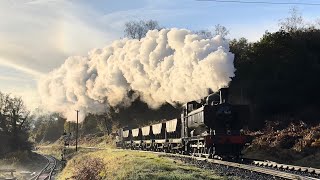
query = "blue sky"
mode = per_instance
[{"x": 38, "y": 35}]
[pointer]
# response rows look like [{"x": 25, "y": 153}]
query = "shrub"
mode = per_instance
[{"x": 89, "y": 169}]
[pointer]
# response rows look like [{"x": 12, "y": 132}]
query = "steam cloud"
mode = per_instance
[{"x": 167, "y": 66}]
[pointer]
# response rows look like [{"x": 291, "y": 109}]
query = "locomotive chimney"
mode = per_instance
[{"x": 223, "y": 95}]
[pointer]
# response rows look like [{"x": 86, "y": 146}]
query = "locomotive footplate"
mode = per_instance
[{"x": 194, "y": 138}]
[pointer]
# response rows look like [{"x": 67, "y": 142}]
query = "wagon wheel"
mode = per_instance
[
  {"x": 193, "y": 151},
  {"x": 169, "y": 148},
  {"x": 198, "y": 151},
  {"x": 180, "y": 150},
  {"x": 202, "y": 150},
  {"x": 186, "y": 148}
]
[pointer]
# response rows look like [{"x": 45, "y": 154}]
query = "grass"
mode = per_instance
[
  {"x": 21, "y": 161},
  {"x": 54, "y": 150},
  {"x": 124, "y": 164}
]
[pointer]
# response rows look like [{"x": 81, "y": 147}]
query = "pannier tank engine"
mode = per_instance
[{"x": 209, "y": 127}]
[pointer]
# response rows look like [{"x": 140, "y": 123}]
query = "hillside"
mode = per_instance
[{"x": 294, "y": 143}]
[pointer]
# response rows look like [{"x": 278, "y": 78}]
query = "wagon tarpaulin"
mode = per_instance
[
  {"x": 135, "y": 132},
  {"x": 145, "y": 130},
  {"x": 171, "y": 125},
  {"x": 125, "y": 133},
  {"x": 156, "y": 128}
]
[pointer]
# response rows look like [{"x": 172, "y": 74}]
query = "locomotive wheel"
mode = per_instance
[
  {"x": 181, "y": 151},
  {"x": 207, "y": 152},
  {"x": 211, "y": 152},
  {"x": 203, "y": 152}
]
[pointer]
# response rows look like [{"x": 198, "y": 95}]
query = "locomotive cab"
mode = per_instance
[
  {"x": 227, "y": 123},
  {"x": 217, "y": 122}
]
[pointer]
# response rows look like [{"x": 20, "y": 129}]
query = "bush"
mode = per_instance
[{"x": 89, "y": 169}]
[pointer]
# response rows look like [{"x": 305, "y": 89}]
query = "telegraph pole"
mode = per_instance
[{"x": 77, "y": 130}]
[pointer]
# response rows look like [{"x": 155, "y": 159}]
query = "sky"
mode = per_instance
[{"x": 36, "y": 36}]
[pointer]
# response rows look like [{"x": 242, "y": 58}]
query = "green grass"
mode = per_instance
[
  {"x": 54, "y": 150},
  {"x": 124, "y": 164}
]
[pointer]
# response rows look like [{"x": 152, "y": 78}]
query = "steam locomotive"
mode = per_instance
[{"x": 211, "y": 127}]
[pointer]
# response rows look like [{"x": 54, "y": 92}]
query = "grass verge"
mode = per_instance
[{"x": 124, "y": 164}]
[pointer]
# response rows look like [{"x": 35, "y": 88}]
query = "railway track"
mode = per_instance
[
  {"x": 287, "y": 167},
  {"x": 273, "y": 169},
  {"x": 47, "y": 172}
]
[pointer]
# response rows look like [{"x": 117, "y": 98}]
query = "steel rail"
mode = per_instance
[
  {"x": 53, "y": 168},
  {"x": 42, "y": 170},
  {"x": 287, "y": 167},
  {"x": 47, "y": 171},
  {"x": 272, "y": 172}
]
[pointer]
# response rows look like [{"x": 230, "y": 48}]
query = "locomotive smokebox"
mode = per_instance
[{"x": 224, "y": 95}]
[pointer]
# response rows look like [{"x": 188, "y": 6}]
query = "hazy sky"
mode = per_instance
[{"x": 37, "y": 36}]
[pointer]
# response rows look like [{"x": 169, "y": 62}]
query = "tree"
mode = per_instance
[
  {"x": 139, "y": 29},
  {"x": 221, "y": 30},
  {"x": 292, "y": 23},
  {"x": 206, "y": 34},
  {"x": 317, "y": 23},
  {"x": 14, "y": 121},
  {"x": 241, "y": 49},
  {"x": 218, "y": 30},
  {"x": 46, "y": 127}
]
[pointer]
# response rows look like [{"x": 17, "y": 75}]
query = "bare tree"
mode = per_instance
[
  {"x": 221, "y": 30},
  {"x": 317, "y": 23},
  {"x": 206, "y": 34},
  {"x": 139, "y": 29},
  {"x": 218, "y": 30},
  {"x": 292, "y": 23}
]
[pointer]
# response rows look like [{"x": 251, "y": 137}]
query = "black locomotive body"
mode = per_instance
[{"x": 207, "y": 128}]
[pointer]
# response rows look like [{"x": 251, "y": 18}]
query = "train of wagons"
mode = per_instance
[{"x": 209, "y": 127}]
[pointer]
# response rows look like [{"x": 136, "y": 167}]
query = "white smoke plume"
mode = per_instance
[{"x": 167, "y": 66}]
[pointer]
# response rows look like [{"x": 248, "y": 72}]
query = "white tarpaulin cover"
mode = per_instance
[
  {"x": 125, "y": 133},
  {"x": 145, "y": 130},
  {"x": 135, "y": 132},
  {"x": 156, "y": 128},
  {"x": 171, "y": 125}
]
